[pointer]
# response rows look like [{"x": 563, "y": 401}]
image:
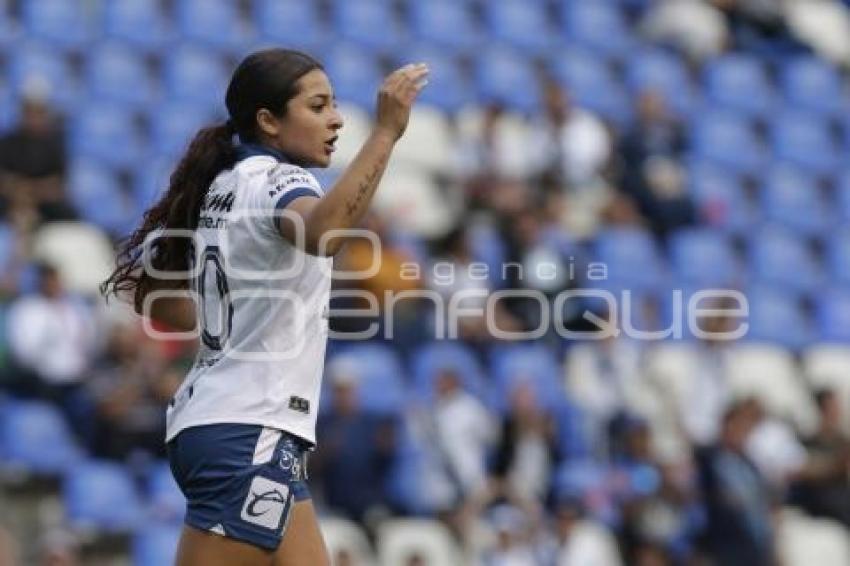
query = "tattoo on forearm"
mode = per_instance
[{"x": 366, "y": 187}]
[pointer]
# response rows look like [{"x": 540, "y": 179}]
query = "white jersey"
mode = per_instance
[{"x": 263, "y": 305}]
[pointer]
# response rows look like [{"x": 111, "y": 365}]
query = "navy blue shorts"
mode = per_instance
[{"x": 240, "y": 481}]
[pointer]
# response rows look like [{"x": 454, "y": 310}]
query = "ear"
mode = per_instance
[{"x": 267, "y": 122}]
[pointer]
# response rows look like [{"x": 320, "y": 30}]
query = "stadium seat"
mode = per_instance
[
  {"x": 448, "y": 88},
  {"x": 487, "y": 246},
  {"x": 155, "y": 545},
  {"x": 534, "y": 363},
  {"x": 140, "y": 23},
  {"x": 631, "y": 257},
  {"x": 704, "y": 257},
  {"x": 411, "y": 197},
  {"x": 841, "y": 193},
  {"x": 174, "y": 124},
  {"x": 165, "y": 500},
  {"x": 430, "y": 359},
  {"x": 97, "y": 196},
  {"x": 522, "y": 24},
  {"x": 720, "y": 198},
  {"x": 728, "y": 140},
  {"x": 777, "y": 317},
  {"x": 770, "y": 374},
  {"x": 10, "y": 31},
  {"x": 105, "y": 132},
  {"x": 35, "y": 438},
  {"x": 100, "y": 496},
  {"x": 400, "y": 539},
  {"x": 497, "y": 74},
  {"x": 345, "y": 536},
  {"x": 289, "y": 22},
  {"x": 592, "y": 85},
  {"x": 380, "y": 381},
  {"x": 427, "y": 141},
  {"x": 213, "y": 23},
  {"x": 32, "y": 65},
  {"x": 117, "y": 73},
  {"x": 510, "y": 133},
  {"x": 65, "y": 24},
  {"x": 354, "y": 74},
  {"x": 150, "y": 180},
  {"x": 739, "y": 83},
  {"x": 825, "y": 367},
  {"x": 813, "y": 85},
  {"x": 445, "y": 23},
  {"x": 8, "y": 246},
  {"x": 599, "y": 26},
  {"x": 832, "y": 315},
  {"x": 59, "y": 243},
  {"x": 806, "y": 141},
  {"x": 804, "y": 540},
  {"x": 779, "y": 258},
  {"x": 359, "y": 20},
  {"x": 193, "y": 75},
  {"x": 662, "y": 72},
  {"x": 793, "y": 199},
  {"x": 838, "y": 256}
]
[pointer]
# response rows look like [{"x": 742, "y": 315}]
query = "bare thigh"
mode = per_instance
[{"x": 302, "y": 545}]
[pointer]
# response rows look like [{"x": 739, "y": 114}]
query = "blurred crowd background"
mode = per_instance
[{"x": 682, "y": 144}]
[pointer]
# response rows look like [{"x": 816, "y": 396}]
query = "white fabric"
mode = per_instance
[
  {"x": 465, "y": 431},
  {"x": 589, "y": 545},
  {"x": 268, "y": 370},
  {"x": 583, "y": 143}
]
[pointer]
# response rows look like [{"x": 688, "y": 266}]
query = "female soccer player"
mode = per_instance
[{"x": 244, "y": 227}]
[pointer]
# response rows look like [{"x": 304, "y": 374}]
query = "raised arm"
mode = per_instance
[{"x": 347, "y": 202}]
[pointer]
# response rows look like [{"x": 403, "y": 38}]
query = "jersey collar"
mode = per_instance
[{"x": 246, "y": 150}]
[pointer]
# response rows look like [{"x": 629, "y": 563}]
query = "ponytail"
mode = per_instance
[{"x": 209, "y": 153}]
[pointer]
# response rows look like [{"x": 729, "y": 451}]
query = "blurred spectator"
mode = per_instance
[
  {"x": 527, "y": 450},
  {"x": 696, "y": 27},
  {"x": 652, "y": 173},
  {"x": 131, "y": 387},
  {"x": 514, "y": 545},
  {"x": 581, "y": 541},
  {"x": 33, "y": 164},
  {"x": 824, "y": 25},
  {"x": 756, "y": 25},
  {"x": 356, "y": 451},
  {"x": 739, "y": 531},
  {"x": 823, "y": 488},
  {"x": 53, "y": 342},
  {"x": 774, "y": 448}
]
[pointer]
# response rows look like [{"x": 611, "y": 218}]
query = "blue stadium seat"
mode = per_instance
[
  {"x": 166, "y": 501},
  {"x": 739, "y": 83},
  {"x": 832, "y": 314},
  {"x": 156, "y": 545},
  {"x": 487, "y": 246},
  {"x": 720, "y": 197},
  {"x": 779, "y": 258},
  {"x": 704, "y": 257},
  {"x": 777, "y": 316},
  {"x": 631, "y": 257},
  {"x": 37, "y": 62},
  {"x": 792, "y": 198},
  {"x": 8, "y": 242},
  {"x": 140, "y": 23},
  {"x": 728, "y": 140},
  {"x": 9, "y": 107},
  {"x": 841, "y": 200},
  {"x": 9, "y": 30},
  {"x": 522, "y": 24},
  {"x": 662, "y": 72},
  {"x": 359, "y": 21},
  {"x": 63, "y": 23},
  {"x": 806, "y": 141},
  {"x": 599, "y": 26},
  {"x": 97, "y": 195},
  {"x": 814, "y": 85},
  {"x": 174, "y": 124},
  {"x": 497, "y": 74},
  {"x": 195, "y": 76},
  {"x": 380, "y": 379},
  {"x": 592, "y": 85},
  {"x": 105, "y": 132},
  {"x": 150, "y": 180},
  {"x": 213, "y": 23},
  {"x": 428, "y": 360},
  {"x": 448, "y": 88},
  {"x": 513, "y": 364},
  {"x": 289, "y": 22},
  {"x": 354, "y": 74},
  {"x": 837, "y": 256},
  {"x": 101, "y": 496},
  {"x": 34, "y": 437},
  {"x": 115, "y": 72},
  {"x": 446, "y": 23}
]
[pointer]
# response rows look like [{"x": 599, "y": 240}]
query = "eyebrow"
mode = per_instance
[{"x": 324, "y": 97}]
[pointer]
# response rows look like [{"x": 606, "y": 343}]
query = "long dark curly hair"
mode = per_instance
[{"x": 265, "y": 79}]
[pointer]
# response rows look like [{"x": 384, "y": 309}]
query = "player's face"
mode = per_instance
[{"x": 308, "y": 131}]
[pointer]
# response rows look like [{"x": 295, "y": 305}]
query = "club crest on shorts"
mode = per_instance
[{"x": 265, "y": 503}]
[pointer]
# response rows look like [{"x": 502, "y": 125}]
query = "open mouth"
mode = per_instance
[{"x": 330, "y": 145}]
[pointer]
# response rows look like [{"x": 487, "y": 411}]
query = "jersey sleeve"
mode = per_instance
[{"x": 283, "y": 184}]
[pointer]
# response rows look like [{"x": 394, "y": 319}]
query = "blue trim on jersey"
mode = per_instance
[
  {"x": 246, "y": 150},
  {"x": 293, "y": 194}
]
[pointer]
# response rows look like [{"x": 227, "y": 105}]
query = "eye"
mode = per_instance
[{"x": 317, "y": 107}]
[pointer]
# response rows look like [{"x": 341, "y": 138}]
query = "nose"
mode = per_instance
[{"x": 336, "y": 122}]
